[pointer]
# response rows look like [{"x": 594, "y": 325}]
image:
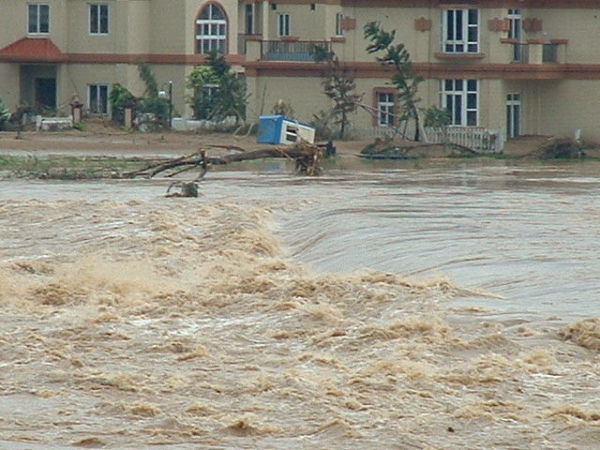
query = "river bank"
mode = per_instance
[{"x": 103, "y": 138}]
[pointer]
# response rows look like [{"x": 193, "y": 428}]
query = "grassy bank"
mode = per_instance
[{"x": 62, "y": 167}]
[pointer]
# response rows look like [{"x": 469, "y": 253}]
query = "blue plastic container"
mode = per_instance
[
  {"x": 269, "y": 129},
  {"x": 277, "y": 129}
]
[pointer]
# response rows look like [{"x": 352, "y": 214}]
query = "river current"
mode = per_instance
[{"x": 413, "y": 304}]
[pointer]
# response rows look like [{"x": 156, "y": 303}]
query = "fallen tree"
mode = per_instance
[{"x": 307, "y": 158}]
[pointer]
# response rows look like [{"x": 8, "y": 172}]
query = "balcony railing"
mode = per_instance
[
  {"x": 291, "y": 50},
  {"x": 521, "y": 53}
]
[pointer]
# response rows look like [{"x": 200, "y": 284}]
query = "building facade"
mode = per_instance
[{"x": 519, "y": 66}]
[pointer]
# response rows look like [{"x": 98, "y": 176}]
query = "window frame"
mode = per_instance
[
  {"x": 98, "y": 24},
  {"x": 514, "y": 115},
  {"x": 458, "y": 97},
  {"x": 339, "y": 24},
  {"x": 38, "y": 24},
  {"x": 456, "y": 31},
  {"x": 204, "y": 31},
  {"x": 515, "y": 24},
  {"x": 284, "y": 24},
  {"x": 105, "y": 110},
  {"x": 515, "y": 31},
  {"x": 385, "y": 108}
]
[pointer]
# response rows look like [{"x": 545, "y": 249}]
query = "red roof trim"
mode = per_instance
[{"x": 32, "y": 50}]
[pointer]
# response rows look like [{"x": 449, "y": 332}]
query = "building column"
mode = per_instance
[
  {"x": 494, "y": 112},
  {"x": 10, "y": 87},
  {"x": 264, "y": 19},
  {"x": 65, "y": 90}
]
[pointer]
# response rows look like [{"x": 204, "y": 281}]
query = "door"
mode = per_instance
[
  {"x": 513, "y": 115},
  {"x": 514, "y": 32},
  {"x": 45, "y": 92}
]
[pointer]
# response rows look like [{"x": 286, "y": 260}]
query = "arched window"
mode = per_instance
[{"x": 211, "y": 30}]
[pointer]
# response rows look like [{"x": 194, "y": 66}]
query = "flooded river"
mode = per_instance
[{"x": 405, "y": 305}]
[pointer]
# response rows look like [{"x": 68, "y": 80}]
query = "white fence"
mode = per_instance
[
  {"x": 475, "y": 138},
  {"x": 479, "y": 139},
  {"x": 182, "y": 124}
]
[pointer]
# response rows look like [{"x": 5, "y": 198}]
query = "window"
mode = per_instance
[
  {"x": 98, "y": 18},
  {"x": 211, "y": 30},
  {"x": 98, "y": 98},
  {"x": 460, "y": 97},
  {"x": 339, "y": 27},
  {"x": 250, "y": 18},
  {"x": 461, "y": 31},
  {"x": 38, "y": 18},
  {"x": 385, "y": 109},
  {"x": 283, "y": 25}
]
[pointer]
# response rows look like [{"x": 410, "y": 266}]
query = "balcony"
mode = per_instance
[
  {"x": 521, "y": 53},
  {"x": 291, "y": 50},
  {"x": 538, "y": 52}
]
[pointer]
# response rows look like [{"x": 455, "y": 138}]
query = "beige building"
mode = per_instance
[
  {"x": 51, "y": 50},
  {"x": 519, "y": 66}
]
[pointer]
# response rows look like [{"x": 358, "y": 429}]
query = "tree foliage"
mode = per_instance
[
  {"x": 404, "y": 78},
  {"x": 119, "y": 97},
  {"x": 150, "y": 104},
  {"x": 339, "y": 86},
  {"x": 436, "y": 117},
  {"x": 218, "y": 91},
  {"x": 147, "y": 76}
]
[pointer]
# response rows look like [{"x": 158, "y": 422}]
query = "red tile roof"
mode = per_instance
[{"x": 32, "y": 50}]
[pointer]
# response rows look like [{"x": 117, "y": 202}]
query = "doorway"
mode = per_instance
[
  {"x": 45, "y": 92},
  {"x": 39, "y": 86},
  {"x": 513, "y": 115}
]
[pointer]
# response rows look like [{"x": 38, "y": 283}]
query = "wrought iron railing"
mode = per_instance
[{"x": 292, "y": 50}]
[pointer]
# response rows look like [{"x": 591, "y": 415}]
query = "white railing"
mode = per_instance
[
  {"x": 475, "y": 138},
  {"x": 53, "y": 123}
]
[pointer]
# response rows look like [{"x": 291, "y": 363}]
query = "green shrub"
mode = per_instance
[
  {"x": 119, "y": 97},
  {"x": 4, "y": 115},
  {"x": 218, "y": 91}
]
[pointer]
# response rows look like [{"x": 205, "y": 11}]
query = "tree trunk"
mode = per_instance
[{"x": 307, "y": 157}]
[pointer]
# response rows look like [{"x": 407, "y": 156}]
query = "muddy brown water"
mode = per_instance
[{"x": 405, "y": 305}]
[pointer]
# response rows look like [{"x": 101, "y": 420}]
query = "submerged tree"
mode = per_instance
[
  {"x": 404, "y": 78},
  {"x": 339, "y": 86},
  {"x": 219, "y": 92}
]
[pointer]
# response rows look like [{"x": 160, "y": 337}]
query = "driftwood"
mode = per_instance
[{"x": 306, "y": 156}]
